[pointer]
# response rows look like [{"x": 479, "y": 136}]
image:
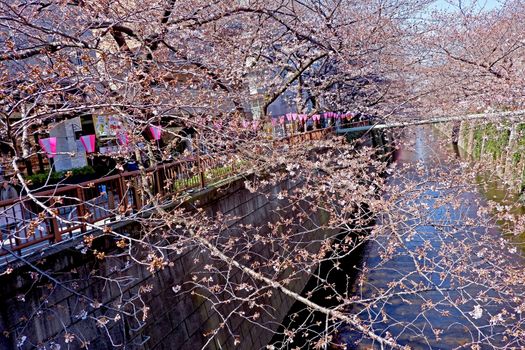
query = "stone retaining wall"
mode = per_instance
[{"x": 37, "y": 313}]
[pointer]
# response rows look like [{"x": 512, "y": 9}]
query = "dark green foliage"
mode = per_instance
[
  {"x": 496, "y": 141},
  {"x": 40, "y": 179}
]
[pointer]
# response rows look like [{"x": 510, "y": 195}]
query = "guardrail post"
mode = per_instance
[
  {"x": 81, "y": 209},
  {"x": 137, "y": 197},
  {"x": 159, "y": 181},
  {"x": 123, "y": 195},
  {"x": 199, "y": 165},
  {"x": 57, "y": 236}
]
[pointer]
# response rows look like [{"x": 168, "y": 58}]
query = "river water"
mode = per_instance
[{"x": 444, "y": 214}]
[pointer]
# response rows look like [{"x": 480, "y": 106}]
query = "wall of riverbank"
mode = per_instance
[
  {"x": 501, "y": 147},
  {"x": 68, "y": 299}
]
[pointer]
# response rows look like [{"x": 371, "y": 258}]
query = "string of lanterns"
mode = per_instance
[
  {"x": 303, "y": 118},
  {"x": 49, "y": 145}
]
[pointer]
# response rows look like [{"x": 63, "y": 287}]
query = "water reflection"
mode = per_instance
[{"x": 429, "y": 319}]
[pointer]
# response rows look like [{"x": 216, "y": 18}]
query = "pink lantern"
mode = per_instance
[
  {"x": 156, "y": 132},
  {"x": 49, "y": 146},
  {"x": 89, "y": 143}
]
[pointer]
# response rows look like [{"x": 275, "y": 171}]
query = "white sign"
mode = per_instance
[
  {"x": 106, "y": 125},
  {"x": 108, "y": 149}
]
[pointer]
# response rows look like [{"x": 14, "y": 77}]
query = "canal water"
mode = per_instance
[
  {"x": 442, "y": 239},
  {"x": 438, "y": 269}
]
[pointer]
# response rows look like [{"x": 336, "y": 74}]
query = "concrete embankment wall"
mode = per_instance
[
  {"x": 500, "y": 146},
  {"x": 39, "y": 312}
]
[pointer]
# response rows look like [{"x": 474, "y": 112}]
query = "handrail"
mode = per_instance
[
  {"x": 24, "y": 224},
  {"x": 95, "y": 182}
]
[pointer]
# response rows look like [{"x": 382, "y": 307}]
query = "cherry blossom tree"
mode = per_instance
[{"x": 205, "y": 66}]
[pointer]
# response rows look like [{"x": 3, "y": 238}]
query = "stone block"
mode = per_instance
[{"x": 194, "y": 323}]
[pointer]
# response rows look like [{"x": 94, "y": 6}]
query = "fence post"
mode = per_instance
[
  {"x": 199, "y": 165},
  {"x": 57, "y": 236},
  {"x": 158, "y": 178},
  {"x": 81, "y": 209},
  {"x": 123, "y": 195}
]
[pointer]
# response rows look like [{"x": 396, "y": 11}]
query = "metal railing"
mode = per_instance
[{"x": 24, "y": 223}]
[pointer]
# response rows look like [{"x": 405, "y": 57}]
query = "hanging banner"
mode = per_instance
[
  {"x": 89, "y": 143},
  {"x": 122, "y": 138},
  {"x": 106, "y": 126},
  {"x": 49, "y": 146},
  {"x": 156, "y": 132}
]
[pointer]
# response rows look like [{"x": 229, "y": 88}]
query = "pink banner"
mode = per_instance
[
  {"x": 316, "y": 117},
  {"x": 281, "y": 120},
  {"x": 49, "y": 146},
  {"x": 156, "y": 132},
  {"x": 89, "y": 143}
]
